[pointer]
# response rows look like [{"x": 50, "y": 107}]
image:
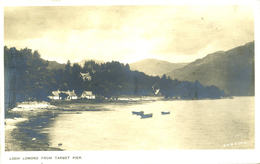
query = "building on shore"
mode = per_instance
[
  {"x": 67, "y": 95},
  {"x": 87, "y": 95},
  {"x": 85, "y": 76}
]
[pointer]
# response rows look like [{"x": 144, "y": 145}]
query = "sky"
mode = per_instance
[{"x": 128, "y": 33}]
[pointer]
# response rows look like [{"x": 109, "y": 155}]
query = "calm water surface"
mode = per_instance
[{"x": 194, "y": 124}]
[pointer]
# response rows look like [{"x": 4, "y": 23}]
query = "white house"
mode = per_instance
[
  {"x": 87, "y": 95},
  {"x": 85, "y": 76},
  {"x": 56, "y": 95}
]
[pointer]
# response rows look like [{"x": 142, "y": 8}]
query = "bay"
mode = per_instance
[{"x": 191, "y": 124}]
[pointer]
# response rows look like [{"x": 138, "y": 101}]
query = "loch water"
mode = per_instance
[{"x": 191, "y": 124}]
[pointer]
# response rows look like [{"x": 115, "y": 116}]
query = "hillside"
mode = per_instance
[
  {"x": 231, "y": 71},
  {"x": 31, "y": 80},
  {"x": 55, "y": 65},
  {"x": 154, "y": 67}
]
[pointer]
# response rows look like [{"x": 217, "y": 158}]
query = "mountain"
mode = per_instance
[
  {"x": 231, "y": 71},
  {"x": 155, "y": 67},
  {"x": 55, "y": 65}
]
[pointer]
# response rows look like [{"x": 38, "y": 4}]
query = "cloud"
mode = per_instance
[
  {"x": 123, "y": 32},
  {"x": 195, "y": 31},
  {"x": 36, "y": 22}
]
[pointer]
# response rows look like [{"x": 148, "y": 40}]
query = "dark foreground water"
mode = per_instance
[
  {"x": 30, "y": 135},
  {"x": 195, "y": 124}
]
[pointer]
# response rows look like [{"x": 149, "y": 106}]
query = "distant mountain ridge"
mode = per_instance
[
  {"x": 231, "y": 71},
  {"x": 55, "y": 65},
  {"x": 154, "y": 67}
]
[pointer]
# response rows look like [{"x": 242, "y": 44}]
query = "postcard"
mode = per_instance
[{"x": 132, "y": 82}]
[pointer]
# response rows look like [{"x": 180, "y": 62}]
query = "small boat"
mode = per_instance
[
  {"x": 138, "y": 112},
  {"x": 148, "y": 115},
  {"x": 165, "y": 112}
]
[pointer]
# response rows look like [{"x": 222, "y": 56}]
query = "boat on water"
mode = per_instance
[
  {"x": 148, "y": 115},
  {"x": 165, "y": 112},
  {"x": 138, "y": 112}
]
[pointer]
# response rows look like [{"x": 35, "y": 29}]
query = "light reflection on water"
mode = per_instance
[{"x": 196, "y": 124}]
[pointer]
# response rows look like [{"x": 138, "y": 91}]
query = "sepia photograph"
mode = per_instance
[{"x": 127, "y": 78}]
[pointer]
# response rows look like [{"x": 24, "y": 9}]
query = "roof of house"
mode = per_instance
[
  {"x": 87, "y": 93},
  {"x": 70, "y": 93},
  {"x": 55, "y": 93},
  {"x": 84, "y": 74}
]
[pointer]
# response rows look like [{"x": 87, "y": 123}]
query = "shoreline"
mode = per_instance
[
  {"x": 25, "y": 124},
  {"x": 25, "y": 133}
]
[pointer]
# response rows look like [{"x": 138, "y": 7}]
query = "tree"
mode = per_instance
[
  {"x": 68, "y": 67},
  {"x": 165, "y": 86},
  {"x": 77, "y": 83},
  {"x": 127, "y": 67},
  {"x": 136, "y": 85}
]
